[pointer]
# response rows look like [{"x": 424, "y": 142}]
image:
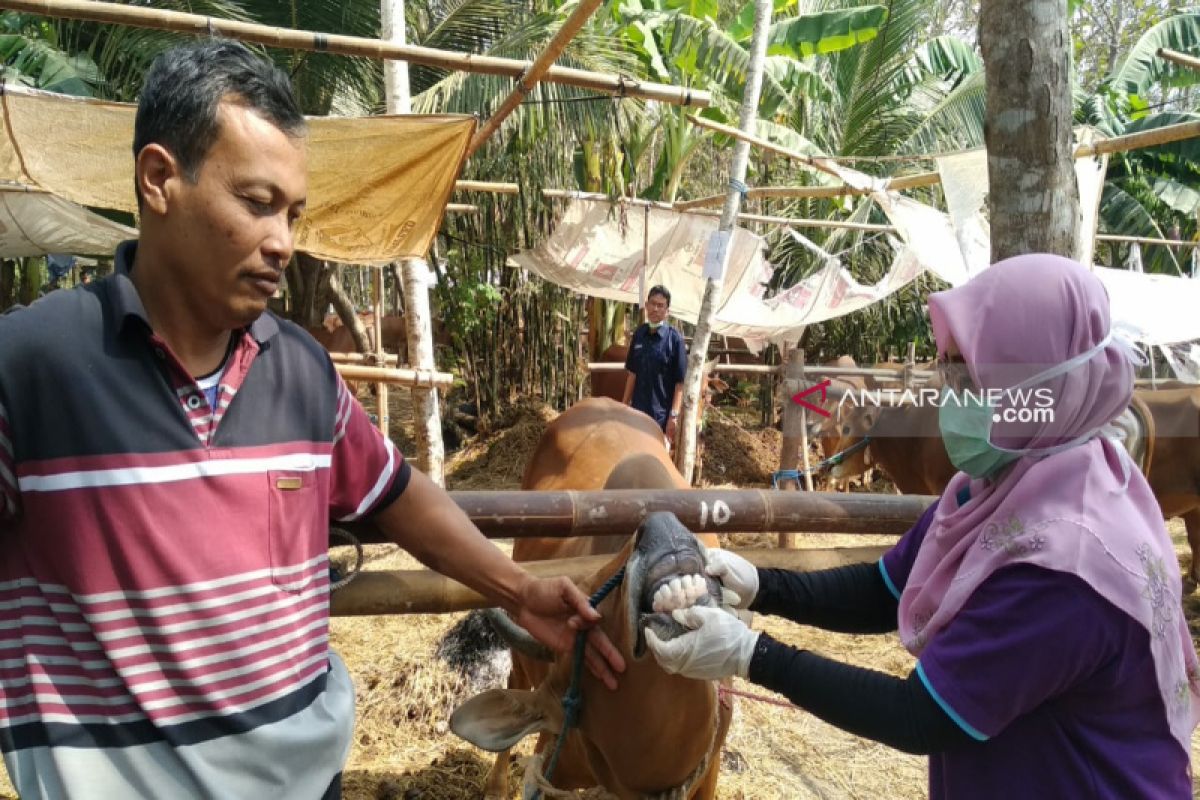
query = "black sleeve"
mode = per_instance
[
  {"x": 898, "y": 712},
  {"x": 849, "y": 599}
]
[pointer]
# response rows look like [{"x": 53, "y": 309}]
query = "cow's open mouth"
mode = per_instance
[{"x": 668, "y": 574}]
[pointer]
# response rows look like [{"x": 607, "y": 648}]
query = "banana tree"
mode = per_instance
[
  {"x": 688, "y": 43},
  {"x": 1149, "y": 192}
]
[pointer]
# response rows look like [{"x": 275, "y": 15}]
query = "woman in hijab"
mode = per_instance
[{"x": 1040, "y": 593}]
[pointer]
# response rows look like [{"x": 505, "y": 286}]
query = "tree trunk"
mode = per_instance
[
  {"x": 32, "y": 278},
  {"x": 308, "y": 279},
  {"x": 686, "y": 457},
  {"x": 347, "y": 313},
  {"x": 8, "y": 283},
  {"x": 1033, "y": 197}
]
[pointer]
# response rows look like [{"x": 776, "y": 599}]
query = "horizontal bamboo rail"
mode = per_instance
[
  {"x": 368, "y": 359},
  {"x": 502, "y": 515},
  {"x": 135, "y": 16},
  {"x": 427, "y": 592},
  {"x": 487, "y": 186},
  {"x": 798, "y": 222},
  {"x": 1112, "y": 237},
  {"x": 1182, "y": 59},
  {"x": 1117, "y": 144},
  {"x": 461, "y": 208},
  {"x": 398, "y": 376}
]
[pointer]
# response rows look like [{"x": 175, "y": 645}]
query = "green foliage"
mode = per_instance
[{"x": 828, "y": 32}]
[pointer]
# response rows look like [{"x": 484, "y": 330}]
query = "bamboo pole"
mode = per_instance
[
  {"x": 717, "y": 259},
  {"x": 487, "y": 186},
  {"x": 1182, "y": 59},
  {"x": 605, "y": 512},
  {"x": 461, "y": 208},
  {"x": 1117, "y": 144},
  {"x": 381, "y": 387},
  {"x": 795, "y": 222},
  {"x": 1109, "y": 237},
  {"x": 400, "y": 376},
  {"x": 842, "y": 190},
  {"x": 793, "y": 420},
  {"x": 537, "y": 70},
  {"x": 422, "y": 591},
  {"x": 759, "y": 142},
  {"x": 368, "y": 359},
  {"x": 134, "y": 16}
]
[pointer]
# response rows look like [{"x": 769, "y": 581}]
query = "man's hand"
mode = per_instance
[
  {"x": 672, "y": 428},
  {"x": 553, "y": 610},
  {"x": 718, "y": 646}
]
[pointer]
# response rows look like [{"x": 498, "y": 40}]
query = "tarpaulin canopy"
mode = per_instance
[
  {"x": 35, "y": 223},
  {"x": 598, "y": 252},
  {"x": 377, "y": 185}
]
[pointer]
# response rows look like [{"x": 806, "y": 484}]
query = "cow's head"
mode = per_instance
[
  {"x": 655, "y": 730},
  {"x": 850, "y": 425}
]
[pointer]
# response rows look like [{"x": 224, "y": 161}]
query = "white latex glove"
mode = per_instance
[
  {"x": 737, "y": 576},
  {"x": 718, "y": 646}
]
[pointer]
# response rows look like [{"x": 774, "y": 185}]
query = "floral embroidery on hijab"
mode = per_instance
[
  {"x": 1007, "y": 536},
  {"x": 1157, "y": 590}
]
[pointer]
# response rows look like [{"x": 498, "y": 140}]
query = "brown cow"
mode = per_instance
[
  {"x": 656, "y": 732},
  {"x": 906, "y": 443},
  {"x": 825, "y": 431},
  {"x": 612, "y": 385},
  {"x": 1175, "y": 472},
  {"x": 336, "y": 338}
]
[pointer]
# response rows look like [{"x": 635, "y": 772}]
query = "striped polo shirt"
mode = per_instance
[{"x": 164, "y": 592}]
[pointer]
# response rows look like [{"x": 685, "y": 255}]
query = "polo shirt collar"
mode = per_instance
[{"x": 127, "y": 303}]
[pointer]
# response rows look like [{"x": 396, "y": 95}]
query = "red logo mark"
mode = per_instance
[{"x": 798, "y": 397}]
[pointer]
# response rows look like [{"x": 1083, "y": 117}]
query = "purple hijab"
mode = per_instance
[{"x": 1085, "y": 510}]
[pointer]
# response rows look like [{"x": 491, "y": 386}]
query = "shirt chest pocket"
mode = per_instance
[
  {"x": 654, "y": 356},
  {"x": 296, "y": 538}
]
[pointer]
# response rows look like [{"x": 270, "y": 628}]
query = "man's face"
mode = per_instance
[
  {"x": 656, "y": 308},
  {"x": 231, "y": 230}
]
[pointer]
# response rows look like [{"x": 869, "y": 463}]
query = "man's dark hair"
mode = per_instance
[
  {"x": 661, "y": 291},
  {"x": 184, "y": 86}
]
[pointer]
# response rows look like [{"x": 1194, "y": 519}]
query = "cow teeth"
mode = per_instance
[
  {"x": 676, "y": 585},
  {"x": 661, "y": 598}
]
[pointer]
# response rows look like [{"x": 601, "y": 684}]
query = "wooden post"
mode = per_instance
[
  {"x": 910, "y": 363},
  {"x": 793, "y": 426},
  {"x": 381, "y": 389},
  {"x": 808, "y": 481}
]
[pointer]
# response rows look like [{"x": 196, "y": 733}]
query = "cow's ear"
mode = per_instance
[{"x": 499, "y": 718}]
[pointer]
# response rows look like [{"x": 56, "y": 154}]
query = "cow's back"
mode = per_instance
[
  {"x": 1175, "y": 468},
  {"x": 611, "y": 384},
  {"x": 579, "y": 451}
]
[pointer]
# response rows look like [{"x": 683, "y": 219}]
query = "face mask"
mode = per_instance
[
  {"x": 654, "y": 325},
  {"x": 966, "y": 424}
]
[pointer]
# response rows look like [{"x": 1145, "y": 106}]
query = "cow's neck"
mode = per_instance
[{"x": 663, "y": 752}]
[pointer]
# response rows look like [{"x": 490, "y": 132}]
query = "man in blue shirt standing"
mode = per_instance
[{"x": 656, "y": 363}]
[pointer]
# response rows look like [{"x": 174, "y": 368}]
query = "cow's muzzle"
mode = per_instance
[{"x": 665, "y": 572}]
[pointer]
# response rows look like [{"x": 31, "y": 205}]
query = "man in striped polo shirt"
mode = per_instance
[{"x": 170, "y": 456}]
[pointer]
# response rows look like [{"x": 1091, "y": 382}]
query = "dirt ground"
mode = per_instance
[{"x": 403, "y": 750}]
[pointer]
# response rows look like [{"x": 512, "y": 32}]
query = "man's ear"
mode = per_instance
[{"x": 155, "y": 171}]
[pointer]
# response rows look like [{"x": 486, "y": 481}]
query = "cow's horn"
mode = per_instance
[{"x": 517, "y": 637}]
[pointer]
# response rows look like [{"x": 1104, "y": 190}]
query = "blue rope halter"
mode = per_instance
[
  {"x": 572, "y": 701},
  {"x": 833, "y": 460}
]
